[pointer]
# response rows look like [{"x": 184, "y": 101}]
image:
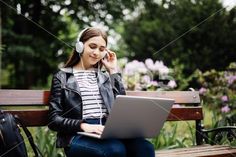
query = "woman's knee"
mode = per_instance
[
  {"x": 115, "y": 149},
  {"x": 148, "y": 144},
  {"x": 138, "y": 147},
  {"x": 148, "y": 148}
]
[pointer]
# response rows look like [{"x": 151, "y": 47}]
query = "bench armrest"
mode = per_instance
[{"x": 214, "y": 136}]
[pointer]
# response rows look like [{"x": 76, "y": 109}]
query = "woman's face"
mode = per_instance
[{"x": 94, "y": 50}]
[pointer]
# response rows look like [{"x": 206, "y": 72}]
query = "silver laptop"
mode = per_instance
[{"x": 135, "y": 116}]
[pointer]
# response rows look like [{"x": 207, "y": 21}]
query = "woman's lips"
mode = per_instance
[{"x": 95, "y": 58}]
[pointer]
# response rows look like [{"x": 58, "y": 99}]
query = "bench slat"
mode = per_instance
[
  {"x": 23, "y": 97},
  {"x": 199, "y": 151},
  {"x": 36, "y": 117},
  {"x": 31, "y": 117},
  {"x": 194, "y": 148},
  {"x": 40, "y": 97},
  {"x": 180, "y": 97},
  {"x": 185, "y": 113}
]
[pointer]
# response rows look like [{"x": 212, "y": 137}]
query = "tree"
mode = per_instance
[
  {"x": 31, "y": 52},
  {"x": 209, "y": 45}
]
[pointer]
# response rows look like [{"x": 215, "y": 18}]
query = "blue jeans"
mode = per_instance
[{"x": 83, "y": 146}]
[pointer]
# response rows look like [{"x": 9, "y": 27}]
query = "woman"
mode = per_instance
[{"x": 81, "y": 99}]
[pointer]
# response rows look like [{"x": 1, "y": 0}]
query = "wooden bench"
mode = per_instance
[{"x": 32, "y": 107}]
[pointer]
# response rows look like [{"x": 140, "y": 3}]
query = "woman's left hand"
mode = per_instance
[{"x": 110, "y": 62}]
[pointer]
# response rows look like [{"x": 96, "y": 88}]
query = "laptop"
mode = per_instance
[{"x": 134, "y": 117}]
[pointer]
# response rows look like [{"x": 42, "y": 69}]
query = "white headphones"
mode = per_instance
[{"x": 79, "y": 45}]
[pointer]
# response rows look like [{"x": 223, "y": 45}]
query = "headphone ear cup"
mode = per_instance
[{"x": 79, "y": 47}]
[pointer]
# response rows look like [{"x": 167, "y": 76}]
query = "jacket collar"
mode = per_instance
[
  {"x": 67, "y": 70},
  {"x": 101, "y": 76}
]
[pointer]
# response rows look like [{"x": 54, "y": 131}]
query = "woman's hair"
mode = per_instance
[{"x": 86, "y": 35}]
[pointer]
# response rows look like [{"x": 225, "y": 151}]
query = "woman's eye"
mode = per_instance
[
  {"x": 102, "y": 49},
  {"x": 93, "y": 46}
]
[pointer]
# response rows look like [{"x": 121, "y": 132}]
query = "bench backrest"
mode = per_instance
[{"x": 32, "y": 105}]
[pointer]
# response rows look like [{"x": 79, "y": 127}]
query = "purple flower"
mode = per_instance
[
  {"x": 172, "y": 84},
  {"x": 202, "y": 91},
  {"x": 149, "y": 63},
  {"x": 224, "y": 98},
  {"x": 153, "y": 83},
  {"x": 146, "y": 79},
  {"x": 161, "y": 68},
  {"x": 133, "y": 67},
  {"x": 231, "y": 79},
  {"x": 225, "y": 109}
]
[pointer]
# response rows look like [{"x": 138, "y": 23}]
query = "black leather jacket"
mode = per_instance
[{"x": 65, "y": 103}]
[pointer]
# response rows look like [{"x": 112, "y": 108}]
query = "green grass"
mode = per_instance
[
  {"x": 45, "y": 139},
  {"x": 175, "y": 135}
]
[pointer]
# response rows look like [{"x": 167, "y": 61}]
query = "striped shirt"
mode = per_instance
[{"x": 93, "y": 105}]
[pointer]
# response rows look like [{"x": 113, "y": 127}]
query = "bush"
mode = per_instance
[
  {"x": 218, "y": 90},
  {"x": 147, "y": 75},
  {"x": 218, "y": 93}
]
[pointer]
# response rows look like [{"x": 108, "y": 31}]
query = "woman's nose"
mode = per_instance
[{"x": 96, "y": 51}]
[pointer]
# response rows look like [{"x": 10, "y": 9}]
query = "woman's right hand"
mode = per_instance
[{"x": 93, "y": 128}]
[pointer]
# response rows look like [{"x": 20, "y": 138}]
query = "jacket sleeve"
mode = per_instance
[
  {"x": 56, "y": 120},
  {"x": 117, "y": 84}
]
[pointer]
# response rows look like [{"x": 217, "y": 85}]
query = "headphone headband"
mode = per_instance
[{"x": 81, "y": 33}]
